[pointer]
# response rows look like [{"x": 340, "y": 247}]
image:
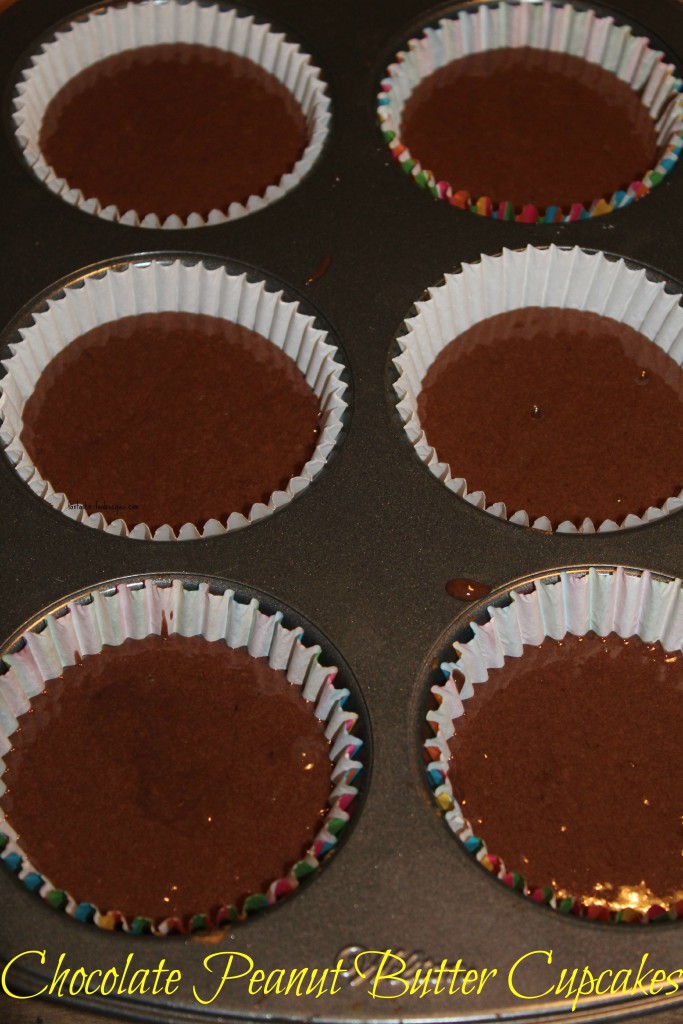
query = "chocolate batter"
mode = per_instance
[
  {"x": 537, "y": 736},
  {"x": 530, "y": 126},
  {"x": 563, "y": 413},
  {"x": 173, "y": 129},
  {"x": 170, "y": 418},
  {"x": 167, "y": 777},
  {"x": 466, "y": 590}
]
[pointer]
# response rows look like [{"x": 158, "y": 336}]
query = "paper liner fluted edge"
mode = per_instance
[
  {"x": 161, "y": 285},
  {"x": 110, "y": 615},
  {"x": 601, "y": 600},
  {"x": 563, "y": 29},
  {"x": 557, "y": 277},
  {"x": 81, "y": 42}
]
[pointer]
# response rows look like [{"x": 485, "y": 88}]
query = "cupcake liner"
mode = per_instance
[
  {"x": 601, "y": 600},
  {"x": 568, "y": 278},
  {"x": 542, "y": 26},
  {"x": 112, "y": 29},
  {"x": 160, "y": 286},
  {"x": 111, "y": 614}
]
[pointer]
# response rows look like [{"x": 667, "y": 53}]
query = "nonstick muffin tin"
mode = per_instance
[{"x": 361, "y": 559}]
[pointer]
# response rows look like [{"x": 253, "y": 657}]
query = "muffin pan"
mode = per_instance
[{"x": 364, "y": 555}]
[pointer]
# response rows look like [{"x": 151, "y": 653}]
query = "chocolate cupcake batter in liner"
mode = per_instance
[
  {"x": 583, "y": 83},
  {"x": 171, "y": 611},
  {"x": 133, "y": 290},
  {"x": 565, "y": 679},
  {"x": 577, "y": 438},
  {"x": 185, "y": 33}
]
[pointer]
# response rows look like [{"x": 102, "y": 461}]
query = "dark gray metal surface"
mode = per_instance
[{"x": 364, "y": 554}]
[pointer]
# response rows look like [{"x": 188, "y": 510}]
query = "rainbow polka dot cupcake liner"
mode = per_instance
[
  {"x": 603, "y": 600},
  {"x": 562, "y": 29},
  {"x": 109, "y": 615}
]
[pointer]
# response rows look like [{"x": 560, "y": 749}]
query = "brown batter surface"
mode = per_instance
[
  {"x": 567, "y": 763},
  {"x": 168, "y": 776},
  {"x": 170, "y": 418},
  {"x": 173, "y": 128},
  {"x": 563, "y": 413},
  {"x": 530, "y": 126}
]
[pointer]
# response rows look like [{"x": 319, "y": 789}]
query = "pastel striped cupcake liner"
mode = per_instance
[
  {"x": 559, "y": 277},
  {"x": 115, "y": 28},
  {"x": 181, "y": 285}
]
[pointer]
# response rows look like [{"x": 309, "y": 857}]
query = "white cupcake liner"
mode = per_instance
[
  {"x": 601, "y": 600},
  {"x": 113, "y": 29},
  {"x": 109, "y": 615},
  {"x": 177, "y": 285},
  {"x": 543, "y": 26},
  {"x": 568, "y": 278}
]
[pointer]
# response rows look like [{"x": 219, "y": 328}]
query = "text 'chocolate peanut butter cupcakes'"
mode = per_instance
[
  {"x": 211, "y": 115},
  {"x": 173, "y": 758},
  {"x": 484, "y": 108},
  {"x": 170, "y": 398},
  {"x": 567, "y": 680},
  {"x": 545, "y": 386}
]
